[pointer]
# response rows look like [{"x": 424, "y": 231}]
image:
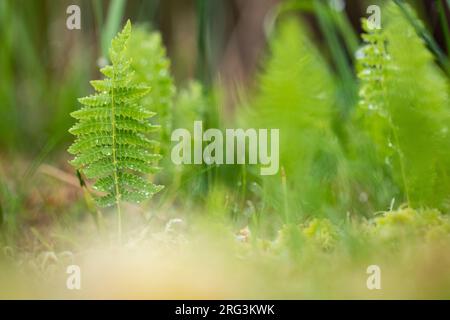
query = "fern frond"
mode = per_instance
[
  {"x": 405, "y": 102},
  {"x": 112, "y": 144},
  {"x": 297, "y": 95},
  {"x": 152, "y": 67},
  {"x": 372, "y": 64}
]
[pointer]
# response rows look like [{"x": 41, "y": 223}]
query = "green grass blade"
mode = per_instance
[{"x": 112, "y": 24}]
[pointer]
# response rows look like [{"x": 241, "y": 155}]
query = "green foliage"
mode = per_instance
[
  {"x": 296, "y": 94},
  {"x": 10, "y": 203},
  {"x": 317, "y": 233},
  {"x": 371, "y": 70},
  {"x": 391, "y": 230},
  {"x": 192, "y": 103},
  {"x": 404, "y": 100},
  {"x": 8, "y": 110},
  {"x": 321, "y": 232},
  {"x": 368, "y": 142},
  {"x": 152, "y": 68},
  {"x": 410, "y": 224},
  {"x": 335, "y": 170},
  {"x": 49, "y": 78},
  {"x": 112, "y": 144},
  {"x": 114, "y": 17}
]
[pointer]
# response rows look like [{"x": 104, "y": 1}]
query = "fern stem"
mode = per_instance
[{"x": 116, "y": 180}]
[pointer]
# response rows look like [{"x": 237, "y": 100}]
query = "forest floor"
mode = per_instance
[{"x": 168, "y": 253}]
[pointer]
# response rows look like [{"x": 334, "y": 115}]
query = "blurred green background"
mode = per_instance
[{"x": 45, "y": 66}]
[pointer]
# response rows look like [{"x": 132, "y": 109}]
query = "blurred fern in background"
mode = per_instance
[
  {"x": 296, "y": 93},
  {"x": 404, "y": 99},
  {"x": 152, "y": 68}
]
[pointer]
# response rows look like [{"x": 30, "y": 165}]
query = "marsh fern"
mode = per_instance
[
  {"x": 151, "y": 67},
  {"x": 405, "y": 103},
  {"x": 296, "y": 94},
  {"x": 112, "y": 144}
]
